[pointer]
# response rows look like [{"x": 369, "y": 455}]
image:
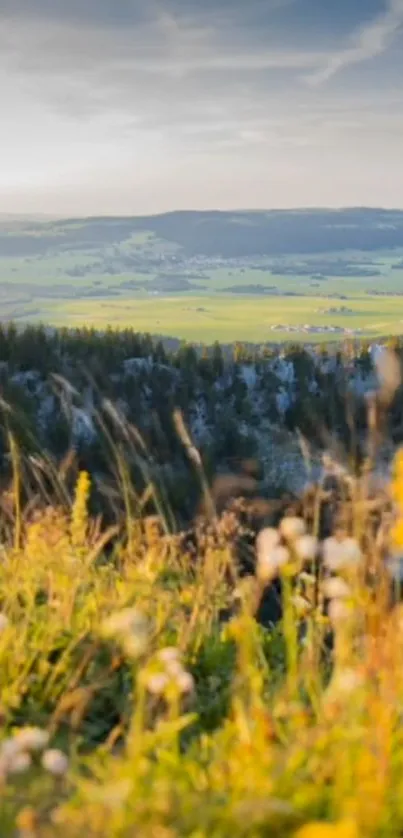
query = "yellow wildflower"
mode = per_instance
[
  {"x": 79, "y": 514},
  {"x": 343, "y": 829}
]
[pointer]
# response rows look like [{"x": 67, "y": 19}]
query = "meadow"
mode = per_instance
[
  {"x": 143, "y": 693},
  {"x": 226, "y": 318}
]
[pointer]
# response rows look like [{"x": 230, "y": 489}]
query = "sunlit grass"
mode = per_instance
[
  {"x": 140, "y": 696},
  {"x": 229, "y": 318}
]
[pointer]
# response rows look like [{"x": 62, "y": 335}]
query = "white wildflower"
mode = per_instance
[
  {"x": 4, "y": 622},
  {"x": 307, "y": 547},
  {"x": 270, "y": 563},
  {"x": 267, "y": 539},
  {"x": 292, "y": 528},
  {"x": 123, "y": 622},
  {"x": 336, "y": 588},
  {"x": 169, "y": 655},
  {"x": 331, "y": 553},
  {"x": 55, "y": 762},
  {"x": 9, "y": 748},
  {"x": 157, "y": 683},
  {"x": 339, "y": 554},
  {"x": 352, "y": 551},
  {"x": 130, "y": 628},
  {"x": 31, "y": 738},
  {"x": 339, "y": 612},
  {"x": 185, "y": 683},
  {"x": 19, "y": 763}
]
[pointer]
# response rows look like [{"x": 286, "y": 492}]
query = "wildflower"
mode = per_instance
[
  {"x": 4, "y": 622},
  {"x": 31, "y": 738},
  {"x": 352, "y": 552},
  {"x": 171, "y": 659},
  {"x": 79, "y": 517},
  {"x": 19, "y": 763},
  {"x": 307, "y": 547},
  {"x": 292, "y": 528},
  {"x": 342, "y": 829},
  {"x": 267, "y": 539},
  {"x": 55, "y": 762},
  {"x": 157, "y": 683},
  {"x": 130, "y": 628},
  {"x": 270, "y": 563},
  {"x": 336, "y": 588},
  {"x": 185, "y": 683},
  {"x": 172, "y": 675},
  {"x": 169, "y": 655},
  {"x": 340, "y": 553},
  {"x": 339, "y": 611},
  {"x": 9, "y": 748}
]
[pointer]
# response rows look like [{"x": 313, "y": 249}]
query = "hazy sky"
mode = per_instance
[{"x": 137, "y": 106}]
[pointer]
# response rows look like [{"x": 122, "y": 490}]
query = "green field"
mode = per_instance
[
  {"x": 173, "y": 279},
  {"x": 226, "y": 318}
]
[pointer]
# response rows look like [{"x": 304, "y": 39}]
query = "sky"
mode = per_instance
[{"x": 146, "y": 106}]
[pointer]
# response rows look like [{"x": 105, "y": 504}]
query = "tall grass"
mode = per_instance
[{"x": 141, "y": 697}]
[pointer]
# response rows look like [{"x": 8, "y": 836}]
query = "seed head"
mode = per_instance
[
  {"x": 130, "y": 628},
  {"x": 31, "y": 738},
  {"x": 292, "y": 528},
  {"x": 339, "y": 554},
  {"x": 19, "y": 764},
  {"x": 307, "y": 547},
  {"x": 336, "y": 588},
  {"x": 157, "y": 683},
  {"x": 185, "y": 683},
  {"x": 55, "y": 762},
  {"x": 270, "y": 563}
]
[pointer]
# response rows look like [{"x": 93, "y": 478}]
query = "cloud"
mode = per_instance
[
  {"x": 151, "y": 99},
  {"x": 367, "y": 42}
]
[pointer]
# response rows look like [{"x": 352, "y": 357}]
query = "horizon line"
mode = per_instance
[{"x": 47, "y": 217}]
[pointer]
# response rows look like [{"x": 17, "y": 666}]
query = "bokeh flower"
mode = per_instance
[
  {"x": 306, "y": 546},
  {"x": 55, "y": 762},
  {"x": 340, "y": 554},
  {"x": 130, "y": 628},
  {"x": 292, "y": 528},
  {"x": 270, "y": 563},
  {"x": 31, "y": 738}
]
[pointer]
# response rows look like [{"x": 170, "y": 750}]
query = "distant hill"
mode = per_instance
[{"x": 213, "y": 233}]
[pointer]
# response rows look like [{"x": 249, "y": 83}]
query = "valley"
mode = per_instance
[{"x": 253, "y": 276}]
